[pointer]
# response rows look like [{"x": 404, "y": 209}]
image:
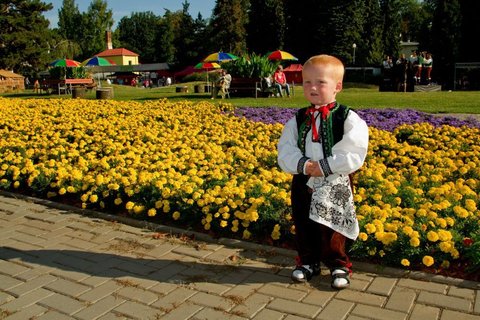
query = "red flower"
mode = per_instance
[{"x": 467, "y": 242}]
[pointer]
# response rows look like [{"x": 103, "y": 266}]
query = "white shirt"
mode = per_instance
[{"x": 348, "y": 154}]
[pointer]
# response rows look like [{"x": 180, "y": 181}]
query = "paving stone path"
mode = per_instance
[{"x": 58, "y": 262}]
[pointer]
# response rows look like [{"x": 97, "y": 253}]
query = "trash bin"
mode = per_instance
[
  {"x": 181, "y": 89},
  {"x": 104, "y": 93},
  {"x": 78, "y": 92}
]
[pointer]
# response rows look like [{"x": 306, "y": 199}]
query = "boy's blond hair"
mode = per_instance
[{"x": 338, "y": 69}]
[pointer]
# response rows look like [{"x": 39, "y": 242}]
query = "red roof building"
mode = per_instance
[
  {"x": 294, "y": 73},
  {"x": 120, "y": 56}
]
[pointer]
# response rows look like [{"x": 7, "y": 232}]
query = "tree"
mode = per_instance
[
  {"x": 391, "y": 36},
  {"x": 446, "y": 39},
  {"x": 470, "y": 30},
  {"x": 184, "y": 40},
  {"x": 138, "y": 33},
  {"x": 266, "y": 26},
  {"x": 228, "y": 26},
  {"x": 69, "y": 20},
  {"x": 24, "y": 34},
  {"x": 95, "y": 23}
]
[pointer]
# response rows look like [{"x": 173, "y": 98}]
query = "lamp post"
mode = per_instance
[{"x": 354, "y": 46}]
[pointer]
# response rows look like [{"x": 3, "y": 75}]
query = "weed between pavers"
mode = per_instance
[{"x": 127, "y": 283}]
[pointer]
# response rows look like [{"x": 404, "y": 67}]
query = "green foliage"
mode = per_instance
[
  {"x": 24, "y": 35},
  {"x": 253, "y": 66},
  {"x": 229, "y": 20},
  {"x": 138, "y": 33},
  {"x": 266, "y": 27},
  {"x": 68, "y": 73}
]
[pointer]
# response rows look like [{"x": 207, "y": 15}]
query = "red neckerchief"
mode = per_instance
[{"x": 324, "y": 111}]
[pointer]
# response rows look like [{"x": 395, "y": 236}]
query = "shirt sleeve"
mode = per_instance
[
  {"x": 290, "y": 157},
  {"x": 349, "y": 153}
]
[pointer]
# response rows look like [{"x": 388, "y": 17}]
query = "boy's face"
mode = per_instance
[{"x": 320, "y": 85}]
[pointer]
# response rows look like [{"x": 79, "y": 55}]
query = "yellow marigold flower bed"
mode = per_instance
[{"x": 195, "y": 166}]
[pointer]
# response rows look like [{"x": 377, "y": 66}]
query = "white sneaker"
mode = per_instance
[
  {"x": 305, "y": 272},
  {"x": 340, "y": 278}
]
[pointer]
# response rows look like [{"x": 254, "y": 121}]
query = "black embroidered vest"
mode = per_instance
[{"x": 331, "y": 128}]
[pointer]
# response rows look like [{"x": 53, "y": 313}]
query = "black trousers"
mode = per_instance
[{"x": 314, "y": 242}]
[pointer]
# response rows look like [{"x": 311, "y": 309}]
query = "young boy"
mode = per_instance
[{"x": 321, "y": 146}]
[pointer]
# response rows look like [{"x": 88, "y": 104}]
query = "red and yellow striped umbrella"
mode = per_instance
[{"x": 280, "y": 55}]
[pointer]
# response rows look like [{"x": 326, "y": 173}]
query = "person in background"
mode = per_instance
[
  {"x": 222, "y": 85},
  {"x": 321, "y": 146},
  {"x": 281, "y": 81},
  {"x": 428, "y": 65}
]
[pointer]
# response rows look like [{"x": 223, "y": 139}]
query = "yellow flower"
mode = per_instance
[
  {"x": 428, "y": 261},
  {"x": 129, "y": 205},
  {"x": 414, "y": 242},
  {"x": 152, "y": 212},
  {"x": 363, "y": 236},
  {"x": 432, "y": 236},
  {"x": 176, "y": 215},
  {"x": 405, "y": 262}
]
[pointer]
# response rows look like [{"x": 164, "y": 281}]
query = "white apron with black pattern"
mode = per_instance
[{"x": 332, "y": 204}]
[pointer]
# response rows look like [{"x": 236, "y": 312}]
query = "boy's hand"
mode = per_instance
[{"x": 313, "y": 169}]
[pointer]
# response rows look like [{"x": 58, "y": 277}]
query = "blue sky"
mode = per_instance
[{"x": 122, "y": 8}]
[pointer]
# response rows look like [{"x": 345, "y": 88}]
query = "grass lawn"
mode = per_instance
[{"x": 353, "y": 96}]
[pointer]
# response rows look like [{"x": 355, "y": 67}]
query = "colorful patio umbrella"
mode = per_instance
[
  {"x": 64, "y": 63},
  {"x": 219, "y": 57},
  {"x": 97, "y": 61},
  {"x": 280, "y": 55},
  {"x": 207, "y": 66}
]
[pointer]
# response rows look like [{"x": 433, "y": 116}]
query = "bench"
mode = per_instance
[
  {"x": 87, "y": 83},
  {"x": 243, "y": 87}
]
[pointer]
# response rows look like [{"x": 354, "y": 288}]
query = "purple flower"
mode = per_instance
[{"x": 385, "y": 119}]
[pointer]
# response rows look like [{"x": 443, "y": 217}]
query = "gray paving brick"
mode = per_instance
[
  {"x": 137, "y": 310},
  {"x": 11, "y": 269},
  {"x": 163, "y": 288},
  {"x": 5, "y": 297},
  {"x": 382, "y": 286},
  {"x": 361, "y": 297},
  {"x": 423, "y": 312},
  {"x": 443, "y": 301},
  {"x": 183, "y": 311},
  {"x": 7, "y": 282},
  {"x": 450, "y": 314},
  {"x": 100, "y": 308},
  {"x": 32, "y": 284},
  {"x": 244, "y": 290},
  {"x": 336, "y": 310},
  {"x": 173, "y": 299},
  {"x": 100, "y": 292},
  {"x": 281, "y": 292},
  {"x": 267, "y": 314},
  {"x": 192, "y": 251},
  {"x": 461, "y": 292},
  {"x": 402, "y": 299},
  {"x": 66, "y": 287},
  {"x": 319, "y": 297},
  {"x": 62, "y": 303},
  {"x": 213, "y": 314},
  {"x": 212, "y": 301},
  {"x": 378, "y": 313},
  {"x": 32, "y": 312},
  {"x": 28, "y": 299},
  {"x": 423, "y": 285},
  {"x": 54, "y": 315},
  {"x": 208, "y": 287},
  {"x": 136, "y": 294},
  {"x": 294, "y": 307},
  {"x": 250, "y": 306}
]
